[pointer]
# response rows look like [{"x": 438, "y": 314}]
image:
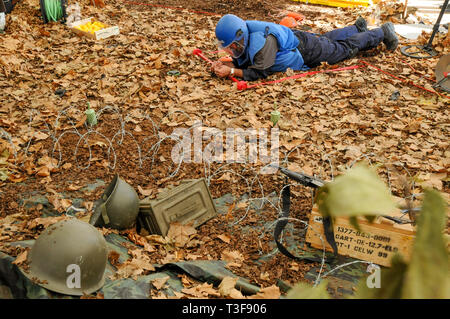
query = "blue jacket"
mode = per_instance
[{"x": 287, "y": 56}]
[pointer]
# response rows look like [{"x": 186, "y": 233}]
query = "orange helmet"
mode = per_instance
[{"x": 288, "y": 22}]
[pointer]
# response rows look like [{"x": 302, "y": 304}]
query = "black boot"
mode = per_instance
[
  {"x": 361, "y": 24},
  {"x": 390, "y": 38},
  {"x": 353, "y": 53}
]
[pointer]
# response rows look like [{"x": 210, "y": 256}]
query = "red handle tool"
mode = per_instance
[{"x": 199, "y": 53}]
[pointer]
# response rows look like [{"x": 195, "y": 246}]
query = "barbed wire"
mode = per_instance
[
  {"x": 9, "y": 139},
  {"x": 348, "y": 264},
  {"x": 324, "y": 155},
  {"x": 155, "y": 148},
  {"x": 85, "y": 138}
]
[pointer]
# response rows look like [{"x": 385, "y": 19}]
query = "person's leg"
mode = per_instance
[
  {"x": 349, "y": 47},
  {"x": 366, "y": 40},
  {"x": 310, "y": 47},
  {"x": 342, "y": 33},
  {"x": 315, "y": 49},
  {"x": 346, "y": 32},
  {"x": 371, "y": 39}
]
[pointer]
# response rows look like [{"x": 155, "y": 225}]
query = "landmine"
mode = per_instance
[
  {"x": 190, "y": 201},
  {"x": 376, "y": 242}
]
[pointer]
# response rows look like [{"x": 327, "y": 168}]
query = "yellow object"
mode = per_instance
[
  {"x": 91, "y": 27},
  {"x": 338, "y": 3}
]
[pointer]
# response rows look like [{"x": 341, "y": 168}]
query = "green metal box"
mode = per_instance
[{"x": 190, "y": 201}]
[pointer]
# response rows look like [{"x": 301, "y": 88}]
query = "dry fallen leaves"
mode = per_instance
[
  {"x": 156, "y": 239},
  {"x": 73, "y": 188},
  {"x": 45, "y": 221},
  {"x": 46, "y": 165},
  {"x": 168, "y": 258},
  {"x": 21, "y": 258},
  {"x": 145, "y": 192},
  {"x": 160, "y": 282},
  {"x": 98, "y": 295},
  {"x": 233, "y": 258},
  {"x": 272, "y": 292},
  {"x": 224, "y": 238},
  {"x": 227, "y": 288},
  {"x": 133, "y": 268},
  {"x": 181, "y": 234},
  {"x": 327, "y": 110},
  {"x": 113, "y": 257},
  {"x": 60, "y": 204},
  {"x": 201, "y": 291}
]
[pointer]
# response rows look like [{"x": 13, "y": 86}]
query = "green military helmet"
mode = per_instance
[
  {"x": 118, "y": 207},
  {"x": 69, "y": 257}
]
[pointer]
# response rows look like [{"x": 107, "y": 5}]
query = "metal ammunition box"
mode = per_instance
[{"x": 190, "y": 201}]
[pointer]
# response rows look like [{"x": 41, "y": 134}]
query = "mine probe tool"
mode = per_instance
[
  {"x": 200, "y": 54},
  {"x": 426, "y": 51}
]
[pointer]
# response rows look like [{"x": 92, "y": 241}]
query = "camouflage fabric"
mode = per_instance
[
  {"x": 343, "y": 281},
  {"x": 13, "y": 284},
  {"x": 211, "y": 271},
  {"x": 128, "y": 288}
]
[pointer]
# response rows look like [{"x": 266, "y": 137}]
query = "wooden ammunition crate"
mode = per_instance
[
  {"x": 100, "y": 34},
  {"x": 376, "y": 242},
  {"x": 190, "y": 201}
]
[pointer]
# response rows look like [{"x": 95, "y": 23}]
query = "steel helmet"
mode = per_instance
[
  {"x": 63, "y": 247},
  {"x": 118, "y": 207},
  {"x": 232, "y": 34}
]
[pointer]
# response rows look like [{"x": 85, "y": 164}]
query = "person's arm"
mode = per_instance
[
  {"x": 263, "y": 60},
  {"x": 229, "y": 64},
  {"x": 247, "y": 74},
  {"x": 224, "y": 70},
  {"x": 255, "y": 74}
]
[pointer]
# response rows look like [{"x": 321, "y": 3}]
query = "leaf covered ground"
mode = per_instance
[{"x": 328, "y": 122}]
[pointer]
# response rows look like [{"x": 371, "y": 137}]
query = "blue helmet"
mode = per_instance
[{"x": 232, "y": 34}]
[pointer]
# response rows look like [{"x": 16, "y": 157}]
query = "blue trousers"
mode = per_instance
[{"x": 337, "y": 45}]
